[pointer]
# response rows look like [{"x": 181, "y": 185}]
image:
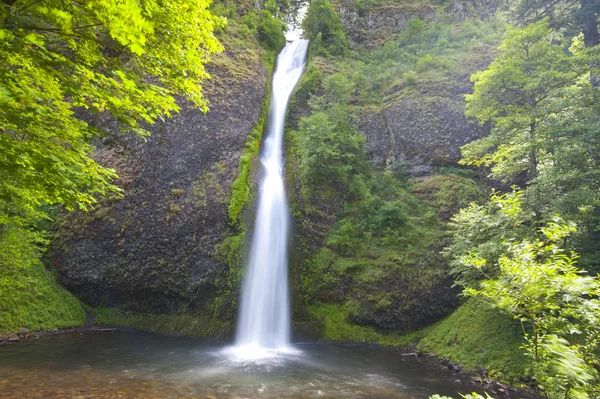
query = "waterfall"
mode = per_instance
[{"x": 264, "y": 318}]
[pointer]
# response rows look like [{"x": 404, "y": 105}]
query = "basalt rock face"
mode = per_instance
[
  {"x": 154, "y": 250},
  {"x": 374, "y": 25},
  {"x": 423, "y": 128},
  {"x": 371, "y": 27},
  {"x": 424, "y": 125}
]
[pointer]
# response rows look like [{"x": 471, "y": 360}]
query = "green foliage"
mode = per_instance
[
  {"x": 336, "y": 327},
  {"x": 483, "y": 232},
  {"x": 563, "y": 15},
  {"x": 449, "y": 193},
  {"x": 268, "y": 29},
  {"x": 331, "y": 150},
  {"x": 388, "y": 216},
  {"x": 473, "y": 395},
  {"x": 478, "y": 336},
  {"x": 410, "y": 78},
  {"x": 29, "y": 296},
  {"x": 241, "y": 195},
  {"x": 543, "y": 109},
  {"x": 330, "y": 147},
  {"x": 241, "y": 192},
  {"x": 421, "y": 53},
  {"x": 517, "y": 93},
  {"x": 60, "y": 55},
  {"x": 323, "y": 27},
  {"x": 380, "y": 215},
  {"x": 539, "y": 285}
]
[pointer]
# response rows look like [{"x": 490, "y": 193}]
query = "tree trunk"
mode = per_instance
[
  {"x": 532, "y": 153},
  {"x": 589, "y": 22}
]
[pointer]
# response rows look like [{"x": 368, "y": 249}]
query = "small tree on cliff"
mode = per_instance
[
  {"x": 516, "y": 93},
  {"x": 540, "y": 102},
  {"x": 323, "y": 27}
]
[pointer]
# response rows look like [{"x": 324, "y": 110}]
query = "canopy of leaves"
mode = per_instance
[
  {"x": 543, "y": 107},
  {"x": 567, "y": 15},
  {"x": 128, "y": 58},
  {"x": 330, "y": 145},
  {"x": 480, "y": 235},
  {"x": 517, "y": 92},
  {"x": 539, "y": 285}
]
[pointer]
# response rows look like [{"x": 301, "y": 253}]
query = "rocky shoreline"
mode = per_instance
[{"x": 25, "y": 334}]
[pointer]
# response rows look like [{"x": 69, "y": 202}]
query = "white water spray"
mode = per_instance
[{"x": 264, "y": 318}]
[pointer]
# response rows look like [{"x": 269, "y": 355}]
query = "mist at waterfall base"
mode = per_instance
[{"x": 263, "y": 329}]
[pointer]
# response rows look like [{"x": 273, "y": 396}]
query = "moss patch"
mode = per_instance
[
  {"x": 478, "y": 336},
  {"x": 31, "y": 298},
  {"x": 448, "y": 193},
  {"x": 336, "y": 327}
]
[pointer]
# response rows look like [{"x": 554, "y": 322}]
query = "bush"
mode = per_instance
[
  {"x": 330, "y": 150},
  {"x": 268, "y": 29},
  {"x": 410, "y": 78},
  {"x": 323, "y": 27}
]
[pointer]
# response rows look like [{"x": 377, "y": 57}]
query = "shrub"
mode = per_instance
[
  {"x": 323, "y": 27},
  {"x": 268, "y": 29}
]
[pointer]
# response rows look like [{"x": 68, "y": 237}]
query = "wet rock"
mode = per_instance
[
  {"x": 13, "y": 339},
  {"x": 23, "y": 331}
]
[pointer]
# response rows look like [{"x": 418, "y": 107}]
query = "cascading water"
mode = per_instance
[{"x": 264, "y": 318}]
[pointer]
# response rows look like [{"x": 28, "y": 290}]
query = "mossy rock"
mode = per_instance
[{"x": 479, "y": 336}]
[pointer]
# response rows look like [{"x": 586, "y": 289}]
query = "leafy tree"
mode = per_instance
[
  {"x": 542, "y": 107},
  {"x": 517, "y": 94},
  {"x": 268, "y": 29},
  {"x": 323, "y": 27},
  {"x": 127, "y": 58},
  {"x": 331, "y": 150},
  {"x": 539, "y": 284},
  {"x": 330, "y": 146},
  {"x": 483, "y": 232},
  {"x": 574, "y": 15}
]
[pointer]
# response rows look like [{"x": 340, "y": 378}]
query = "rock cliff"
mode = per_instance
[
  {"x": 155, "y": 249},
  {"x": 411, "y": 114},
  {"x": 373, "y": 25}
]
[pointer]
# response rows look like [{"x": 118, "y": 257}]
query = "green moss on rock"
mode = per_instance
[
  {"x": 31, "y": 298},
  {"x": 334, "y": 326},
  {"x": 242, "y": 193},
  {"x": 478, "y": 336}
]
